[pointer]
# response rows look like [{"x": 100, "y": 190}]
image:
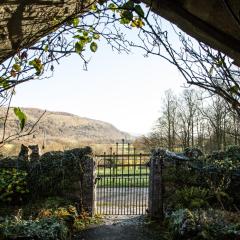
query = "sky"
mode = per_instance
[{"x": 125, "y": 90}]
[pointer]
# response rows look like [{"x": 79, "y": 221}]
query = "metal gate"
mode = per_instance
[{"x": 122, "y": 181}]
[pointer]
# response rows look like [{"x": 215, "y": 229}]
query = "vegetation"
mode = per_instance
[
  {"x": 13, "y": 186},
  {"x": 45, "y": 228},
  {"x": 58, "y": 222},
  {"x": 203, "y": 224},
  {"x": 201, "y": 197},
  {"x": 189, "y": 120},
  {"x": 43, "y": 199}
]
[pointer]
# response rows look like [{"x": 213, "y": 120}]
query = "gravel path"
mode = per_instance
[{"x": 122, "y": 228}]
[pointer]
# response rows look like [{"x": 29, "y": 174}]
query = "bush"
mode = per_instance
[
  {"x": 48, "y": 223},
  {"x": 233, "y": 152},
  {"x": 190, "y": 197},
  {"x": 13, "y": 185},
  {"x": 45, "y": 228},
  {"x": 204, "y": 224}
]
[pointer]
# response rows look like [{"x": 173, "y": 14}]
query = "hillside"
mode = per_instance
[{"x": 58, "y": 130}]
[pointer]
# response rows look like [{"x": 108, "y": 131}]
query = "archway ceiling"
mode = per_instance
[{"x": 214, "y": 22}]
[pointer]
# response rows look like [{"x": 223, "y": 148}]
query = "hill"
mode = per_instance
[{"x": 61, "y": 130}]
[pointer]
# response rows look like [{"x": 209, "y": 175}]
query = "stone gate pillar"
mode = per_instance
[
  {"x": 155, "y": 203},
  {"x": 89, "y": 186}
]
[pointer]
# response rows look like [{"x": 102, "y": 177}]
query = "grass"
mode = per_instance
[
  {"x": 123, "y": 182},
  {"x": 123, "y": 170},
  {"x": 123, "y": 177}
]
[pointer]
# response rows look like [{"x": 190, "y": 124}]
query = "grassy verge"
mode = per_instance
[{"x": 123, "y": 182}]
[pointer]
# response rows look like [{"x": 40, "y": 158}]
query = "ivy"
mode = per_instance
[
  {"x": 21, "y": 117},
  {"x": 37, "y": 64},
  {"x": 128, "y": 5},
  {"x": 96, "y": 36},
  {"x": 4, "y": 83},
  {"x": 79, "y": 47},
  {"x": 85, "y": 37},
  {"x": 93, "y": 47},
  {"x": 112, "y": 7},
  {"x": 137, "y": 22},
  {"x": 139, "y": 11},
  {"x": 13, "y": 185},
  {"x": 127, "y": 15},
  {"x": 16, "y": 67},
  {"x": 75, "y": 22}
]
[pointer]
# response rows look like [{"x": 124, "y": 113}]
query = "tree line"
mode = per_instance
[{"x": 191, "y": 120}]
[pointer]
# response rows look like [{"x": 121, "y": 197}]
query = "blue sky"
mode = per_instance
[{"x": 122, "y": 89}]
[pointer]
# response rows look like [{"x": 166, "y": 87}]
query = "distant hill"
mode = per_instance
[{"x": 65, "y": 130}]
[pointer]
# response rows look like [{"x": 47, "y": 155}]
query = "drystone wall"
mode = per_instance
[{"x": 69, "y": 174}]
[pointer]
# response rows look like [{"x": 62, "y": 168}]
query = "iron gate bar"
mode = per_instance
[
  {"x": 104, "y": 189},
  {"x": 122, "y": 171},
  {"x": 123, "y": 178},
  {"x": 120, "y": 165},
  {"x": 128, "y": 161},
  {"x": 120, "y": 155}
]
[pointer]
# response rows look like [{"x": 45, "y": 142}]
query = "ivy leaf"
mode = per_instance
[
  {"x": 128, "y": 5},
  {"x": 89, "y": 39},
  {"x": 112, "y": 7},
  {"x": 93, "y": 47},
  {"x": 78, "y": 47},
  {"x": 137, "y": 23},
  {"x": 77, "y": 36},
  {"x": 37, "y": 64},
  {"x": 96, "y": 36},
  {"x": 85, "y": 33},
  {"x": 93, "y": 7},
  {"x": 16, "y": 67},
  {"x": 127, "y": 15},
  {"x": 124, "y": 21},
  {"x": 4, "y": 83},
  {"x": 139, "y": 11},
  {"x": 75, "y": 22},
  {"x": 21, "y": 117}
]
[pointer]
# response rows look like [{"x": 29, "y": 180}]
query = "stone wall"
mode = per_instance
[{"x": 69, "y": 174}]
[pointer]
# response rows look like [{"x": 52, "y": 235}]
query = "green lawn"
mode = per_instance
[
  {"x": 122, "y": 170},
  {"x": 123, "y": 182}
]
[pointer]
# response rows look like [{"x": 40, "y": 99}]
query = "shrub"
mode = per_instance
[
  {"x": 45, "y": 228},
  {"x": 190, "y": 197},
  {"x": 13, "y": 185},
  {"x": 204, "y": 224},
  {"x": 233, "y": 152}
]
